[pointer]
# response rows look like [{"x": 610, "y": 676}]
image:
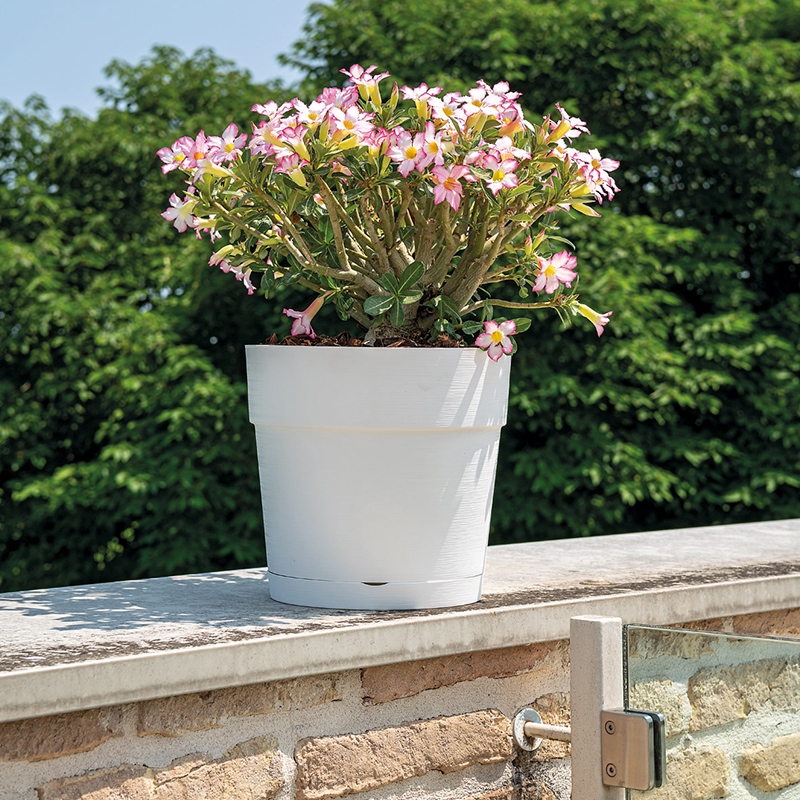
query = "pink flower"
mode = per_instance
[
  {"x": 598, "y": 320},
  {"x": 367, "y": 82},
  {"x": 555, "y": 270},
  {"x": 180, "y": 214},
  {"x": 447, "y": 185},
  {"x": 504, "y": 148},
  {"x": 352, "y": 121},
  {"x": 481, "y": 100},
  {"x": 448, "y": 110},
  {"x": 302, "y": 319},
  {"x": 266, "y": 138},
  {"x": 510, "y": 118},
  {"x": 175, "y": 155},
  {"x": 292, "y": 165},
  {"x": 339, "y": 98},
  {"x": 198, "y": 151},
  {"x": 271, "y": 109},
  {"x": 227, "y": 145},
  {"x": 503, "y": 176},
  {"x": 241, "y": 275},
  {"x": 569, "y": 127},
  {"x": 594, "y": 170},
  {"x": 363, "y": 77},
  {"x": 432, "y": 148},
  {"x": 311, "y": 115},
  {"x": 408, "y": 150},
  {"x": 496, "y": 338},
  {"x": 421, "y": 95}
]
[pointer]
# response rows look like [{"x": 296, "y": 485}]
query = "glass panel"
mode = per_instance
[{"x": 732, "y": 710}]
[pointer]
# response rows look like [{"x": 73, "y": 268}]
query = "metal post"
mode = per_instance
[{"x": 595, "y": 684}]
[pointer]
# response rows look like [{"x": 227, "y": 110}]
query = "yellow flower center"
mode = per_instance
[
  {"x": 497, "y": 336},
  {"x": 229, "y": 147},
  {"x": 498, "y": 175},
  {"x": 199, "y": 156},
  {"x": 411, "y": 152}
]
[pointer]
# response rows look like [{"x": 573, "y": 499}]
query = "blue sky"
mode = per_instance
[{"x": 58, "y": 48}]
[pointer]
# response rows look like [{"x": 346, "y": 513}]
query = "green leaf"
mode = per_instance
[
  {"x": 411, "y": 274},
  {"x": 389, "y": 282},
  {"x": 522, "y": 324},
  {"x": 378, "y": 304},
  {"x": 397, "y": 314},
  {"x": 471, "y": 327},
  {"x": 411, "y": 296},
  {"x": 449, "y": 308}
]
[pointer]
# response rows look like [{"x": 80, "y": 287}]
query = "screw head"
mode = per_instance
[
  {"x": 611, "y": 770},
  {"x": 610, "y": 727}
]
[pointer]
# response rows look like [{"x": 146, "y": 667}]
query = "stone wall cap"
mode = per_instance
[{"x": 79, "y": 647}]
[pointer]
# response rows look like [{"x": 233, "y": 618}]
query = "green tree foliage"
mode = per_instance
[
  {"x": 125, "y": 449},
  {"x": 687, "y": 411}
]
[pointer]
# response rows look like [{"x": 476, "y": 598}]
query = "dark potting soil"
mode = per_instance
[{"x": 344, "y": 339}]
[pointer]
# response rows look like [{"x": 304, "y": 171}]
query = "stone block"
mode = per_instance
[
  {"x": 769, "y": 623},
  {"x": 335, "y": 766},
  {"x": 720, "y": 695},
  {"x": 655, "y": 643},
  {"x": 392, "y": 681},
  {"x": 701, "y": 774},
  {"x": 661, "y": 695},
  {"x": 171, "y": 716},
  {"x": 785, "y": 689},
  {"x": 58, "y": 735},
  {"x": 774, "y": 767},
  {"x": 249, "y": 771}
]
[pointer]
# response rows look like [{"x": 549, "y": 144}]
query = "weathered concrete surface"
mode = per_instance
[{"x": 79, "y": 647}]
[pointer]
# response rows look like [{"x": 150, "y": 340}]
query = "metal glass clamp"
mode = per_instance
[
  {"x": 633, "y": 744},
  {"x": 633, "y": 749}
]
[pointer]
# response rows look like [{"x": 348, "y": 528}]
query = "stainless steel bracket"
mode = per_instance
[
  {"x": 612, "y": 749},
  {"x": 633, "y": 749}
]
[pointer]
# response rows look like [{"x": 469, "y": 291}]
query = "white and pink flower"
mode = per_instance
[
  {"x": 408, "y": 151},
  {"x": 554, "y": 271},
  {"x": 496, "y": 338},
  {"x": 502, "y": 176},
  {"x": 447, "y": 183},
  {"x": 241, "y": 275},
  {"x": 226, "y": 147},
  {"x": 599, "y": 320},
  {"x": 302, "y": 319},
  {"x": 366, "y": 82},
  {"x": 180, "y": 212}
]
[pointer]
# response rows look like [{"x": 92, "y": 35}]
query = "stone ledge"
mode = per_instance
[{"x": 83, "y": 647}]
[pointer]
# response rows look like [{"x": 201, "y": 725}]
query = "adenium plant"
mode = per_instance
[{"x": 405, "y": 211}]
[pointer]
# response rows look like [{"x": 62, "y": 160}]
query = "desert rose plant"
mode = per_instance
[{"x": 403, "y": 208}]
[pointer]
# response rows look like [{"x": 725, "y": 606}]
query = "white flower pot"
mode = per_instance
[{"x": 377, "y": 470}]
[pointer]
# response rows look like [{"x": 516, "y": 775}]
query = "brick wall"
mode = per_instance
[{"x": 437, "y": 728}]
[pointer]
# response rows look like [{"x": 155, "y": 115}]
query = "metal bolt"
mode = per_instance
[
  {"x": 611, "y": 770},
  {"x": 610, "y": 727}
]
